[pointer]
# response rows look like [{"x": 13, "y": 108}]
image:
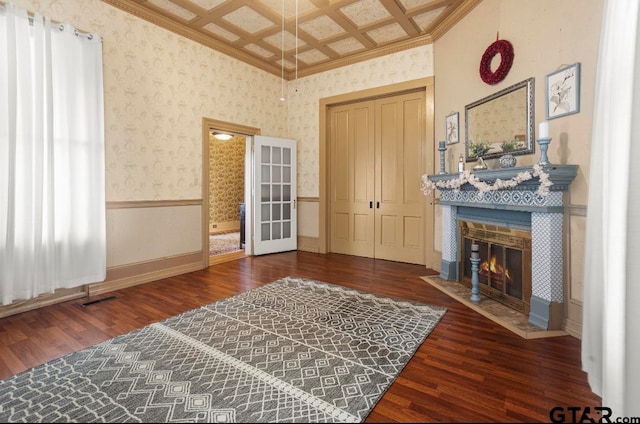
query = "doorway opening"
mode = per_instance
[
  {"x": 226, "y": 193},
  {"x": 226, "y": 190}
]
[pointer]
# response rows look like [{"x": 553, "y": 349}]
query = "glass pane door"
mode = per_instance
[{"x": 276, "y": 226}]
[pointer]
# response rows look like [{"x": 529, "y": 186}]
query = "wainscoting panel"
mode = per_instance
[
  {"x": 148, "y": 232},
  {"x": 146, "y": 241},
  {"x": 577, "y": 222},
  {"x": 308, "y": 217}
]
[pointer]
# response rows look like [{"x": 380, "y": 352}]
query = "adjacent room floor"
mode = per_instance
[{"x": 223, "y": 243}]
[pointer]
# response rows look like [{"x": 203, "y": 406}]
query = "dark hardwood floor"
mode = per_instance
[{"x": 468, "y": 370}]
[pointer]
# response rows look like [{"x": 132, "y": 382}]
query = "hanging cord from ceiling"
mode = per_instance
[
  {"x": 296, "y": 40},
  {"x": 282, "y": 98}
]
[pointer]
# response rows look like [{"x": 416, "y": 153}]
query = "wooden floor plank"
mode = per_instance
[{"x": 468, "y": 369}]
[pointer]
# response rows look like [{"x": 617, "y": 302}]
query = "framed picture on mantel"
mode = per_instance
[{"x": 563, "y": 91}]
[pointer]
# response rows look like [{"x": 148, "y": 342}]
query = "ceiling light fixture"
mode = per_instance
[{"x": 222, "y": 136}]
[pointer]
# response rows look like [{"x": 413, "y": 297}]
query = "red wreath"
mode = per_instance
[{"x": 505, "y": 49}]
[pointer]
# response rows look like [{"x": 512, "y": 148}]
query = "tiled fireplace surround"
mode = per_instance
[{"x": 519, "y": 207}]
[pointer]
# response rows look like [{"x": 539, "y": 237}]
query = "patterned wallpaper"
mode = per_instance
[
  {"x": 158, "y": 87},
  {"x": 226, "y": 179},
  {"x": 304, "y": 96}
]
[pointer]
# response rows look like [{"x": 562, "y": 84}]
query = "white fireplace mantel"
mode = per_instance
[{"x": 546, "y": 213}]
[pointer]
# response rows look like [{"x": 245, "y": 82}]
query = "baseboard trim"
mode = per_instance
[
  {"x": 573, "y": 328},
  {"x": 60, "y": 295},
  {"x": 133, "y": 274},
  {"x": 117, "y": 278},
  {"x": 224, "y": 227},
  {"x": 227, "y": 257},
  {"x": 309, "y": 244}
]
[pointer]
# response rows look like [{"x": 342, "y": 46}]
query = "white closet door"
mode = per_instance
[{"x": 275, "y": 214}]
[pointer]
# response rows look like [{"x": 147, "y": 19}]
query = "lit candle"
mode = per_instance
[
  {"x": 475, "y": 251},
  {"x": 442, "y": 144},
  {"x": 543, "y": 131}
]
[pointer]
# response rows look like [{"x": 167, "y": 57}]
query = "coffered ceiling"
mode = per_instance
[{"x": 318, "y": 34}]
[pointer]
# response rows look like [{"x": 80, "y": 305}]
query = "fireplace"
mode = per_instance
[
  {"x": 517, "y": 226},
  {"x": 505, "y": 262}
]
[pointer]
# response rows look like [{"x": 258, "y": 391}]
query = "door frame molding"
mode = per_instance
[
  {"x": 209, "y": 124},
  {"x": 427, "y": 84}
]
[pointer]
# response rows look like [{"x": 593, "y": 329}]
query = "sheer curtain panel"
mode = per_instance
[
  {"x": 611, "y": 317},
  {"x": 52, "y": 183}
]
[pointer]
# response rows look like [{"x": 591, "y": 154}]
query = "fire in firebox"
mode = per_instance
[
  {"x": 504, "y": 271},
  {"x": 497, "y": 274}
]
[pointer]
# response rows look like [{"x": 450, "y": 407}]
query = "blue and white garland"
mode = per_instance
[{"x": 483, "y": 187}]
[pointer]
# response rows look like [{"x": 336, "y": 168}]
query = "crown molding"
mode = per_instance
[
  {"x": 162, "y": 21},
  {"x": 166, "y": 23},
  {"x": 455, "y": 17},
  {"x": 362, "y": 56}
]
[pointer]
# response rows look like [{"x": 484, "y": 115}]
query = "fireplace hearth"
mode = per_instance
[{"x": 527, "y": 274}]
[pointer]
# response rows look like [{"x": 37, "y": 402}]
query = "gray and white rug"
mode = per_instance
[{"x": 294, "y": 350}]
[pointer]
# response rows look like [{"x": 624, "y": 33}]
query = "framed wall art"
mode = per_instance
[
  {"x": 563, "y": 91},
  {"x": 452, "y": 124}
]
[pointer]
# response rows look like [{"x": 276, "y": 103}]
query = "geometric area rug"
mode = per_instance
[{"x": 294, "y": 350}]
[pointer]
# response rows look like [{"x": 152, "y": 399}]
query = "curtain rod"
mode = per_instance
[{"x": 78, "y": 32}]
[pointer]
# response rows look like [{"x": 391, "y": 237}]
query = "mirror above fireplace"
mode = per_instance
[{"x": 501, "y": 123}]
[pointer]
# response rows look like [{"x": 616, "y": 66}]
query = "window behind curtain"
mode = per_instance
[{"x": 52, "y": 195}]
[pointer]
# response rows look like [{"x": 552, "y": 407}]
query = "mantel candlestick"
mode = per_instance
[
  {"x": 544, "y": 145},
  {"x": 442, "y": 149},
  {"x": 475, "y": 261}
]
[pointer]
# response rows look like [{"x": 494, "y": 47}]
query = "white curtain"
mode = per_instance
[
  {"x": 52, "y": 186},
  {"x": 611, "y": 314}
]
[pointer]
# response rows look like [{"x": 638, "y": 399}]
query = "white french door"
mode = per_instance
[{"x": 275, "y": 215}]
